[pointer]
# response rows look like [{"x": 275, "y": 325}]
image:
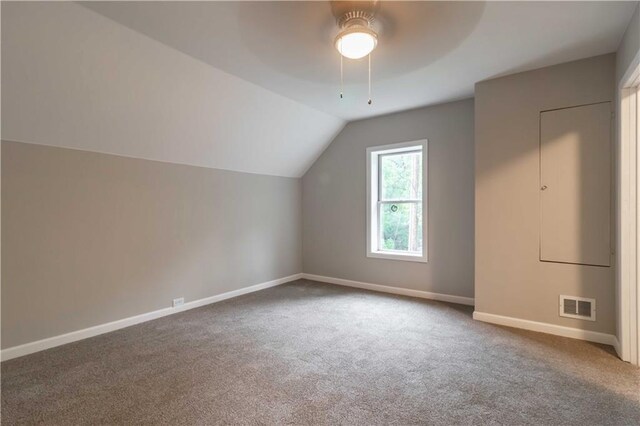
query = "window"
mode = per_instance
[{"x": 396, "y": 194}]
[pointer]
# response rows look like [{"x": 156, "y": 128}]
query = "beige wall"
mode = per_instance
[
  {"x": 334, "y": 202},
  {"x": 90, "y": 238},
  {"x": 509, "y": 278}
]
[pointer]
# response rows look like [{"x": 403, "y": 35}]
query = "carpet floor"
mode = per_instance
[{"x": 311, "y": 353}]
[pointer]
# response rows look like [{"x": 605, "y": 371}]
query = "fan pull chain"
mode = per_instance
[
  {"x": 369, "y": 79},
  {"x": 341, "y": 72}
]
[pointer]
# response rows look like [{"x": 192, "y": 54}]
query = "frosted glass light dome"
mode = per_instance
[{"x": 356, "y": 42}]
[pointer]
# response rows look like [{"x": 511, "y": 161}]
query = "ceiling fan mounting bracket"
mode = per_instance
[{"x": 356, "y": 17}]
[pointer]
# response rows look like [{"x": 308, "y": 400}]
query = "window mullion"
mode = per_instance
[{"x": 399, "y": 201}]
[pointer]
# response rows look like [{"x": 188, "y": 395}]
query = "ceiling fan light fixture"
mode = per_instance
[
  {"x": 356, "y": 38},
  {"x": 356, "y": 41}
]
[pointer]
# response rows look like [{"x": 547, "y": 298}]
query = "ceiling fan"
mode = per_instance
[{"x": 357, "y": 37}]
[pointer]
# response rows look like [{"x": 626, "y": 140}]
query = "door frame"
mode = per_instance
[{"x": 628, "y": 237}]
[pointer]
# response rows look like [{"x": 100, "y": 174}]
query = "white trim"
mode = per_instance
[
  {"x": 616, "y": 346},
  {"x": 626, "y": 209},
  {"x": 373, "y": 154},
  {"x": 634, "y": 290},
  {"x": 628, "y": 237},
  {"x": 409, "y": 257},
  {"x": 51, "y": 342},
  {"x": 393, "y": 290},
  {"x": 541, "y": 327}
]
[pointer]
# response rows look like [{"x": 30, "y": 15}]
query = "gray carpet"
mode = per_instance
[{"x": 310, "y": 353}]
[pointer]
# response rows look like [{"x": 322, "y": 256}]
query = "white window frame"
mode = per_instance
[{"x": 373, "y": 155}]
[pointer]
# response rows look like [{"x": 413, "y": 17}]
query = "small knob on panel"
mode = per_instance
[{"x": 543, "y": 187}]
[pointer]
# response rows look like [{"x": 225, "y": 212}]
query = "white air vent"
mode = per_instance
[{"x": 578, "y": 307}]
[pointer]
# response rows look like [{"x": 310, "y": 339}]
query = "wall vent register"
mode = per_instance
[{"x": 578, "y": 307}]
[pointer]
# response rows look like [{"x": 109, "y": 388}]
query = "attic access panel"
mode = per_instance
[{"x": 575, "y": 185}]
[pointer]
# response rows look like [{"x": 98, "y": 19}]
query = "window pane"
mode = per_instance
[
  {"x": 401, "y": 227},
  {"x": 401, "y": 177}
]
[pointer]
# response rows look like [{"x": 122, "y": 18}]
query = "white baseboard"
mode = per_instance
[
  {"x": 618, "y": 348},
  {"x": 394, "y": 290},
  {"x": 51, "y": 342},
  {"x": 558, "y": 330}
]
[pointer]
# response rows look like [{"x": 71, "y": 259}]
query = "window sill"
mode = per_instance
[{"x": 394, "y": 256}]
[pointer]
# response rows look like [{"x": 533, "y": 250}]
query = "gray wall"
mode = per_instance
[
  {"x": 334, "y": 202},
  {"x": 629, "y": 46},
  {"x": 509, "y": 278},
  {"x": 90, "y": 238}
]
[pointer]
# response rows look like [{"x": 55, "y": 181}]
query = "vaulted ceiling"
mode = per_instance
[{"x": 253, "y": 86}]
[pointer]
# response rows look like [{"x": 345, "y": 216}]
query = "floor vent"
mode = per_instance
[{"x": 578, "y": 307}]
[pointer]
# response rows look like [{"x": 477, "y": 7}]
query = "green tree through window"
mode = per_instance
[{"x": 400, "y": 206}]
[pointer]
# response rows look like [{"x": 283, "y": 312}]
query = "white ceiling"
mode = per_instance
[
  {"x": 428, "y": 52},
  {"x": 73, "y": 78}
]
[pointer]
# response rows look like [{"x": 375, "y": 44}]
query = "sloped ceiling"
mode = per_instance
[
  {"x": 73, "y": 78},
  {"x": 429, "y": 52}
]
